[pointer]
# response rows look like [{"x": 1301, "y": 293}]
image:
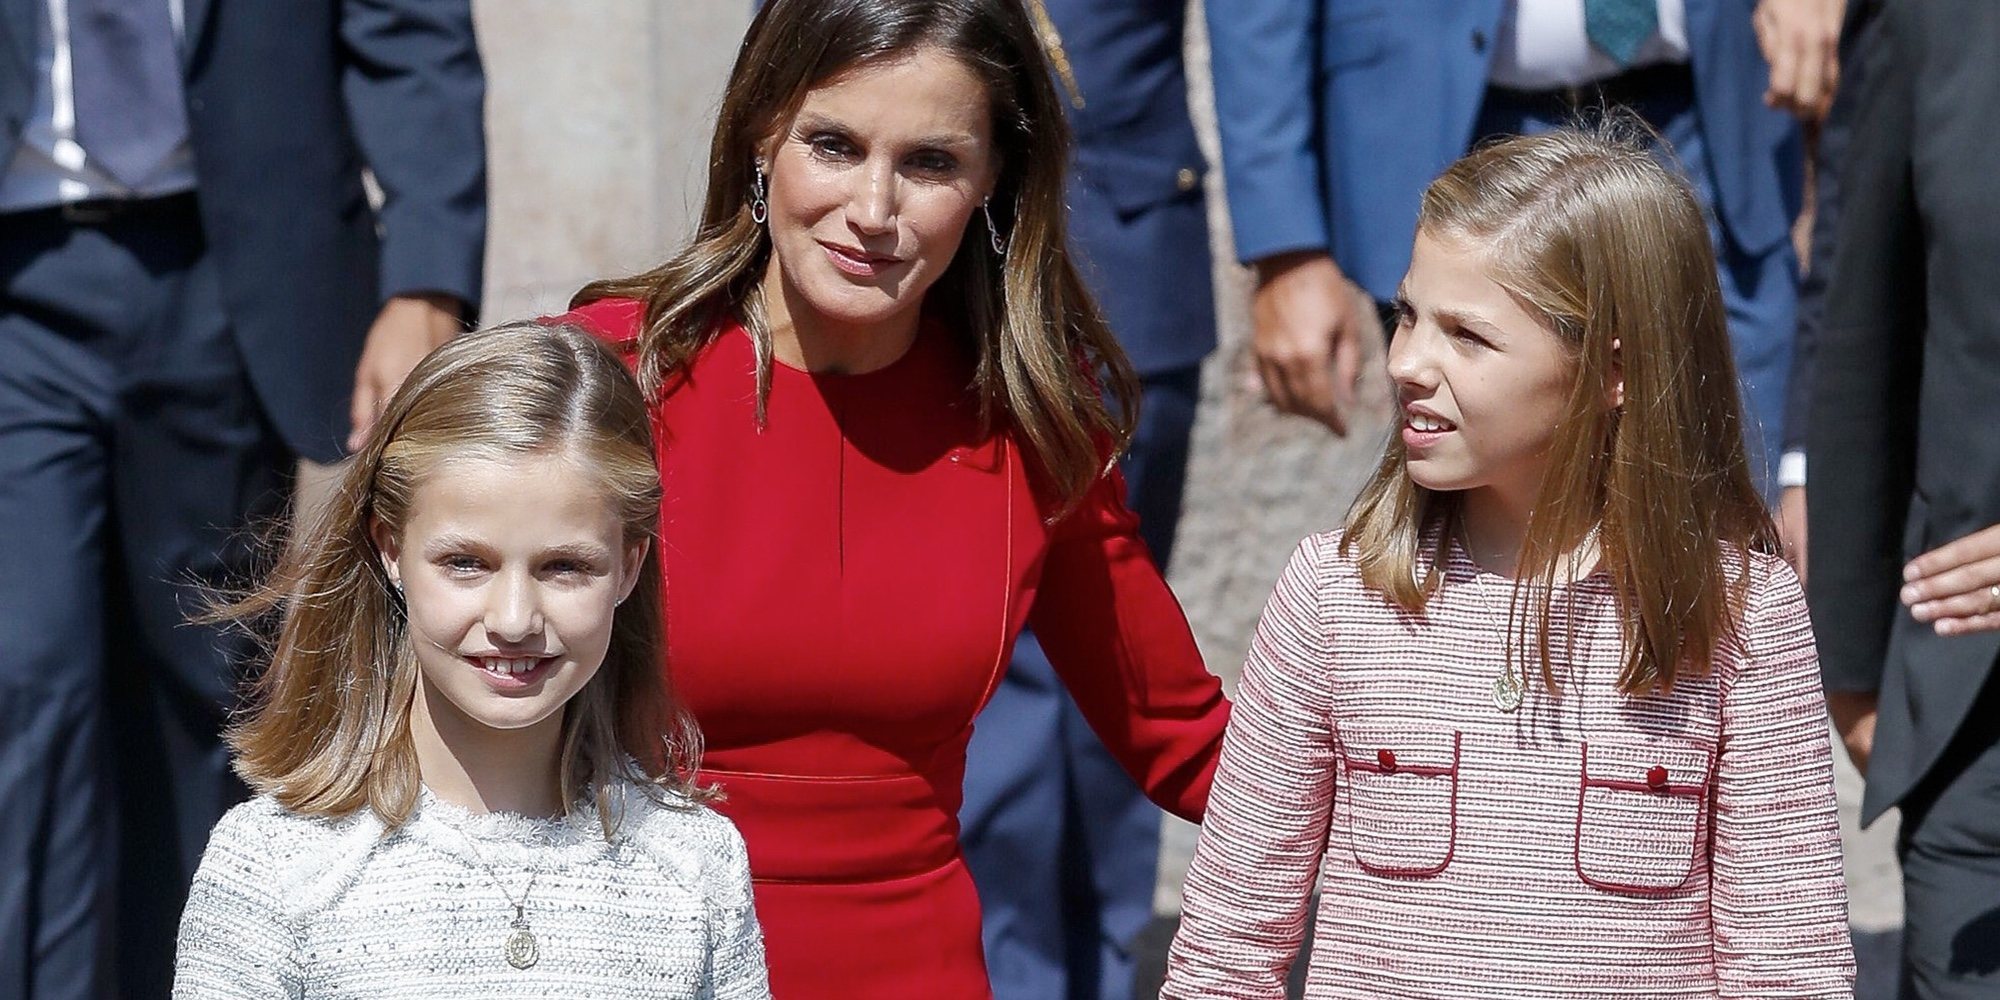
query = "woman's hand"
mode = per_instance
[{"x": 1956, "y": 587}]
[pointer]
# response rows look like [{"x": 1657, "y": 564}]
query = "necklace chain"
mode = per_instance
[
  {"x": 521, "y": 949},
  {"x": 1509, "y": 690},
  {"x": 519, "y": 905}
]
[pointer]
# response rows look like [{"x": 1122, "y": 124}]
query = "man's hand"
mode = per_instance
[
  {"x": 1309, "y": 323},
  {"x": 1792, "y": 528},
  {"x": 1853, "y": 715},
  {"x": 409, "y": 327},
  {"x": 1956, "y": 586},
  {"x": 1801, "y": 41}
]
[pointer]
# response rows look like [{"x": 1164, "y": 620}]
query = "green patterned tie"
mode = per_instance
[{"x": 1619, "y": 27}]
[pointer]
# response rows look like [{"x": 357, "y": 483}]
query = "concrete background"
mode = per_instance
[{"x": 599, "y": 114}]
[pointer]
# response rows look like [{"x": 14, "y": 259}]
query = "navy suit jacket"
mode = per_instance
[
  {"x": 287, "y": 101},
  {"x": 1335, "y": 114},
  {"x": 1138, "y": 220}
]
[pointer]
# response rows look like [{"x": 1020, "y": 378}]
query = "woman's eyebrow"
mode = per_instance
[{"x": 809, "y": 122}]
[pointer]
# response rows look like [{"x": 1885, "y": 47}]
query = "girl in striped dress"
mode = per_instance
[{"x": 1544, "y": 718}]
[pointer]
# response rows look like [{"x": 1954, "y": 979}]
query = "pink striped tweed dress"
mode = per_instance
[{"x": 1591, "y": 845}]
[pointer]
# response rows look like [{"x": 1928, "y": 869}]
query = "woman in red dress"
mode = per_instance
[{"x": 879, "y": 394}]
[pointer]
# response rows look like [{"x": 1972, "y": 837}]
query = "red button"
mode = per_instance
[
  {"x": 1657, "y": 777},
  {"x": 1386, "y": 759}
]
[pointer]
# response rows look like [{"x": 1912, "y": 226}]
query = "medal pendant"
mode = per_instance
[
  {"x": 522, "y": 952},
  {"x": 1507, "y": 692}
]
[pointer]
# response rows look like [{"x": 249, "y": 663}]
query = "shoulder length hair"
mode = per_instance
[
  {"x": 1602, "y": 243},
  {"x": 327, "y": 729},
  {"x": 1045, "y": 361}
]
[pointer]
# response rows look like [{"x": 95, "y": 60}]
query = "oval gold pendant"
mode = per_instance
[
  {"x": 522, "y": 952},
  {"x": 1507, "y": 692}
]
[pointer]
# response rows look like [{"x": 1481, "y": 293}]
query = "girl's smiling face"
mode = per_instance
[
  {"x": 511, "y": 571},
  {"x": 1482, "y": 382}
]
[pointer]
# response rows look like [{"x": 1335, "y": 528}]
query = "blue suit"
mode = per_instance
[
  {"x": 1335, "y": 114},
  {"x": 1064, "y": 848},
  {"x": 162, "y": 366}
]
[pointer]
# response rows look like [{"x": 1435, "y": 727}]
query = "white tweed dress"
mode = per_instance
[{"x": 292, "y": 906}]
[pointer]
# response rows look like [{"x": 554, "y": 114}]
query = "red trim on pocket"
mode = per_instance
[
  {"x": 1643, "y": 786},
  {"x": 1374, "y": 765}
]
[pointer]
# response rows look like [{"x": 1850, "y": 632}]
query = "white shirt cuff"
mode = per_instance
[{"x": 1792, "y": 469}]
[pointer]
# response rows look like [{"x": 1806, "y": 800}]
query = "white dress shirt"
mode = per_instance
[
  {"x": 49, "y": 167},
  {"x": 1542, "y": 45}
]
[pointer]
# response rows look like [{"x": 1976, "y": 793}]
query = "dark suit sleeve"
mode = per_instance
[
  {"x": 1857, "y": 40},
  {"x": 1864, "y": 407},
  {"x": 416, "y": 93},
  {"x": 1264, "y": 55}
]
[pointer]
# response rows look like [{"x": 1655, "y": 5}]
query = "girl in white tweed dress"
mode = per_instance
[
  {"x": 472, "y": 777},
  {"x": 1544, "y": 719}
]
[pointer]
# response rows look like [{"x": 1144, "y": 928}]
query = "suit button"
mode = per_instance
[
  {"x": 1185, "y": 178},
  {"x": 1385, "y": 760},
  {"x": 1656, "y": 777},
  {"x": 1478, "y": 41}
]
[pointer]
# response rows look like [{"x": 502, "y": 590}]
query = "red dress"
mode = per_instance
[{"x": 844, "y": 586}]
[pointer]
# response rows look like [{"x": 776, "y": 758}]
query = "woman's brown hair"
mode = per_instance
[
  {"x": 1602, "y": 243},
  {"x": 328, "y": 728},
  {"x": 1045, "y": 362}
]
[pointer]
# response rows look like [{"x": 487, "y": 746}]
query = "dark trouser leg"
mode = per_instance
[
  {"x": 195, "y": 470},
  {"x": 134, "y": 452},
  {"x": 56, "y": 855},
  {"x": 1063, "y": 901},
  {"x": 1950, "y": 849}
]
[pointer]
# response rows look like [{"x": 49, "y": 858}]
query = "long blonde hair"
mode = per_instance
[
  {"x": 327, "y": 730},
  {"x": 1602, "y": 243},
  {"x": 1045, "y": 361}
]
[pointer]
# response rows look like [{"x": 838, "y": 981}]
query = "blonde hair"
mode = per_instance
[
  {"x": 327, "y": 730},
  {"x": 1601, "y": 242},
  {"x": 1045, "y": 361}
]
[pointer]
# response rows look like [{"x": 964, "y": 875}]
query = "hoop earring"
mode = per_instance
[
  {"x": 760, "y": 210},
  {"x": 993, "y": 231}
]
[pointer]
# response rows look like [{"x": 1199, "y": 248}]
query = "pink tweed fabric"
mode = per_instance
[{"x": 1587, "y": 845}]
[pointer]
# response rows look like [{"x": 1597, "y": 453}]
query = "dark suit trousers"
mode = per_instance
[
  {"x": 1949, "y": 845},
  {"x": 132, "y": 455},
  {"x": 1063, "y": 846}
]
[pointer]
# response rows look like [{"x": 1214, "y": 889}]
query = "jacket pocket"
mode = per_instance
[
  {"x": 1641, "y": 816},
  {"x": 1402, "y": 797}
]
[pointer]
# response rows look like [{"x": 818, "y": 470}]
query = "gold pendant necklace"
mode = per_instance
[
  {"x": 522, "y": 952},
  {"x": 1507, "y": 690},
  {"x": 521, "y": 949}
]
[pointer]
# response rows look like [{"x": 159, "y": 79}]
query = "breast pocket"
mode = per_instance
[
  {"x": 1641, "y": 814},
  {"x": 1402, "y": 798}
]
